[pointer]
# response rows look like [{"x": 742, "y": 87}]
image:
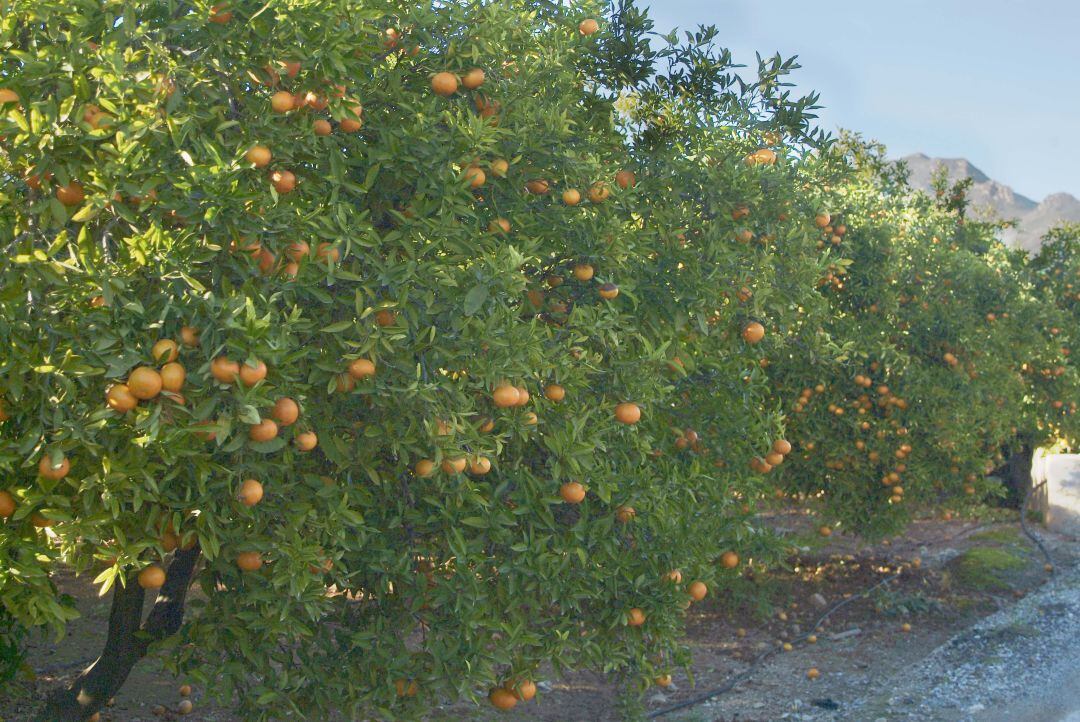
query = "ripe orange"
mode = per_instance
[
  {"x": 251, "y": 492},
  {"x": 663, "y": 680},
  {"x": 479, "y": 466},
  {"x": 554, "y": 392},
  {"x": 609, "y": 291},
  {"x": 572, "y": 492},
  {"x": 729, "y": 560},
  {"x": 144, "y": 383},
  {"x": 259, "y": 156},
  {"x": 328, "y": 252},
  {"x": 70, "y": 195},
  {"x": 173, "y": 376},
  {"x": 697, "y": 591},
  {"x": 322, "y": 127},
  {"x": 475, "y": 175},
  {"x": 165, "y": 350},
  {"x": 825, "y": 531},
  {"x": 625, "y": 179},
  {"x": 249, "y": 561},
  {"x": 674, "y": 576},
  {"x": 635, "y": 617},
  {"x": 7, "y": 504},
  {"x": 120, "y": 399},
  {"x": 774, "y": 459},
  {"x": 454, "y": 466},
  {"x": 583, "y": 272},
  {"x": 571, "y": 197},
  {"x": 282, "y": 101},
  {"x": 220, "y": 14},
  {"x": 627, "y": 413},
  {"x": 753, "y": 332},
  {"x": 251, "y": 375},
  {"x": 306, "y": 441},
  {"x": 224, "y": 369},
  {"x": 537, "y": 187},
  {"x": 499, "y": 167},
  {"x": 505, "y": 396},
  {"x": 523, "y": 396},
  {"x": 499, "y": 224},
  {"x": 41, "y": 521},
  {"x": 424, "y": 468},
  {"x": 8, "y": 96},
  {"x": 822, "y": 219},
  {"x": 782, "y": 446},
  {"x": 385, "y": 317},
  {"x": 812, "y": 673},
  {"x": 625, "y": 514},
  {"x": 473, "y": 79},
  {"x": 444, "y": 84},
  {"x": 265, "y": 430},
  {"x": 524, "y": 690},
  {"x": 599, "y": 192},
  {"x": 285, "y": 411},
  {"x": 152, "y": 577},
  {"x": 189, "y": 336},
  {"x": 588, "y": 26},
  {"x": 185, "y": 690},
  {"x": 297, "y": 251},
  {"x": 502, "y": 698},
  {"x": 350, "y": 124},
  {"x": 283, "y": 181}
]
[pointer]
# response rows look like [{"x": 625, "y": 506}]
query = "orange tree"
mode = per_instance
[
  {"x": 377, "y": 326},
  {"x": 916, "y": 390}
]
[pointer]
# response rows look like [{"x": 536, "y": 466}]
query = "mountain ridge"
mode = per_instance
[{"x": 991, "y": 198}]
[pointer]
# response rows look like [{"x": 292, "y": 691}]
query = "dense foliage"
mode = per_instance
[{"x": 434, "y": 343}]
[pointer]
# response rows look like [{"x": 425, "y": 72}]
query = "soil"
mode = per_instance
[{"x": 930, "y": 587}]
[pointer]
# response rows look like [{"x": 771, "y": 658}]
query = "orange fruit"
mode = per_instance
[
  {"x": 403, "y": 690},
  {"x": 189, "y": 336},
  {"x": 583, "y": 272},
  {"x": 812, "y": 673},
  {"x": 663, "y": 680},
  {"x": 554, "y": 392},
  {"x": 479, "y": 466},
  {"x": 499, "y": 167},
  {"x": 322, "y": 127},
  {"x": 572, "y": 492},
  {"x": 635, "y": 617},
  {"x": 505, "y": 396},
  {"x": 385, "y": 317},
  {"x": 224, "y": 369},
  {"x": 674, "y": 576},
  {"x": 120, "y": 399},
  {"x": 524, "y": 690},
  {"x": 473, "y": 79},
  {"x": 444, "y": 84},
  {"x": 144, "y": 383},
  {"x": 7, "y": 504},
  {"x": 152, "y": 577},
  {"x": 625, "y": 179},
  {"x": 185, "y": 690},
  {"x": 424, "y": 468},
  {"x": 598, "y": 192},
  {"x": 70, "y": 195},
  {"x": 588, "y": 27},
  {"x": 41, "y": 521},
  {"x": 537, "y": 187},
  {"x": 285, "y": 411},
  {"x": 306, "y": 441},
  {"x": 165, "y": 350},
  {"x": 283, "y": 181},
  {"x": 8, "y": 96},
  {"x": 351, "y": 125},
  {"x": 282, "y": 101},
  {"x": 625, "y": 514},
  {"x": 499, "y": 224},
  {"x": 571, "y": 197},
  {"x": 475, "y": 175},
  {"x": 523, "y": 396},
  {"x": 454, "y": 466},
  {"x": 782, "y": 446},
  {"x": 825, "y": 531},
  {"x": 297, "y": 251},
  {"x": 251, "y": 375},
  {"x": 697, "y": 591},
  {"x": 328, "y": 252},
  {"x": 249, "y": 561},
  {"x": 220, "y": 14},
  {"x": 822, "y": 219},
  {"x": 251, "y": 492},
  {"x": 729, "y": 560},
  {"x": 502, "y": 698},
  {"x": 627, "y": 413},
  {"x": 265, "y": 430},
  {"x": 609, "y": 291},
  {"x": 259, "y": 156},
  {"x": 172, "y": 377},
  {"x": 753, "y": 332}
]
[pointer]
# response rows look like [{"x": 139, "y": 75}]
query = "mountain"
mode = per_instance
[{"x": 998, "y": 200}]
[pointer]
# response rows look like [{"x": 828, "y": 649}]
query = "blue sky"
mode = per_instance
[{"x": 993, "y": 81}]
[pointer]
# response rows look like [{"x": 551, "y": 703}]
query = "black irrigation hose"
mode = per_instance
[{"x": 745, "y": 674}]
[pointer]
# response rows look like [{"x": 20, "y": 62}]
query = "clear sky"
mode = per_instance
[{"x": 993, "y": 81}]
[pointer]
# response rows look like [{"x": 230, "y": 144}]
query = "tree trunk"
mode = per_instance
[
  {"x": 1016, "y": 473},
  {"x": 128, "y": 641}
]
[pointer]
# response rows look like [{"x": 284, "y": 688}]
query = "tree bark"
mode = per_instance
[{"x": 127, "y": 642}]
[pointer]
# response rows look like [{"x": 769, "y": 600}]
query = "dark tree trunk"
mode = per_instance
[
  {"x": 1016, "y": 473},
  {"x": 128, "y": 641}
]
